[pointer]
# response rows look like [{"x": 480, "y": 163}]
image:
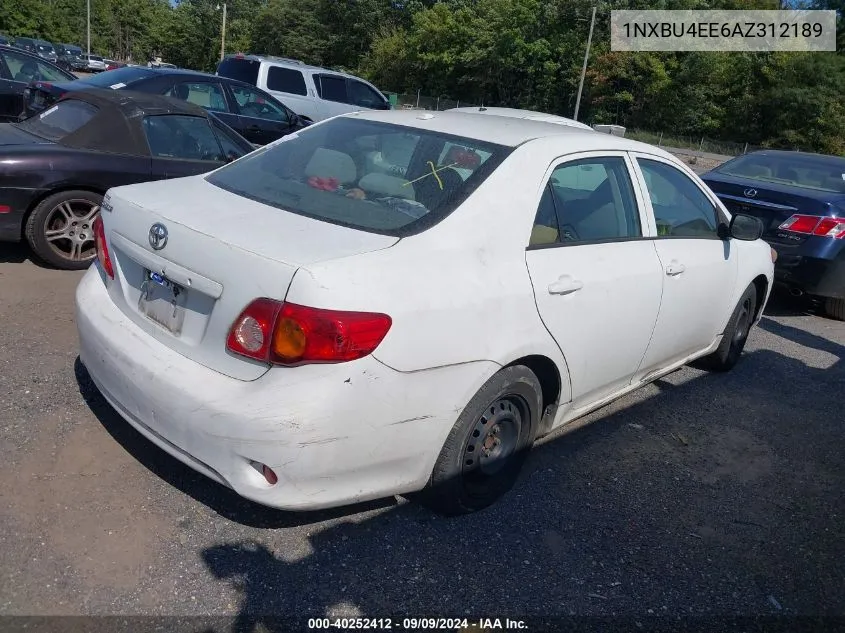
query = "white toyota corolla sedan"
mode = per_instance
[{"x": 394, "y": 302}]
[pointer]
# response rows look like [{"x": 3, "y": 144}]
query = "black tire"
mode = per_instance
[
  {"x": 473, "y": 469},
  {"x": 835, "y": 308},
  {"x": 736, "y": 335},
  {"x": 52, "y": 234}
]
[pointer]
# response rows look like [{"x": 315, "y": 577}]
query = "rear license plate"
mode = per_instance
[{"x": 162, "y": 302}]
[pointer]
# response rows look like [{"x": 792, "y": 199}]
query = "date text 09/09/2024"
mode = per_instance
[{"x": 417, "y": 624}]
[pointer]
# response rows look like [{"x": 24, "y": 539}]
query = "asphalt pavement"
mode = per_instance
[{"x": 701, "y": 494}]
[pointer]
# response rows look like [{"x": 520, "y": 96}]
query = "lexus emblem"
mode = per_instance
[
  {"x": 158, "y": 236},
  {"x": 750, "y": 193}
]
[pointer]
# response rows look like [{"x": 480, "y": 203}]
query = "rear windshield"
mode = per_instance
[
  {"x": 245, "y": 70},
  {"x": 366, "y": 175},
  {"x": 95, "y": 58},
  {"x": 117, "y": 78},
  {"x": 798, "y": 171},
  {"x": 45, "y": 49},
  {"x": 62, "y": 119}
]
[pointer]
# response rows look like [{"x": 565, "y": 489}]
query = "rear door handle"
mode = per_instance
[
  {"x": 565, "y": 285},
  {"x": 675, "y": 268}
]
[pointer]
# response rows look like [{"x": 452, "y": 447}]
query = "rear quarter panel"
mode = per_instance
[{"x": 457, "y": 293}]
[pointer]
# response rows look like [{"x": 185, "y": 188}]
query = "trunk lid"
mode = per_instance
[
  {"x": 221, "y": 252},
  {"x": 772, "y": 203}
]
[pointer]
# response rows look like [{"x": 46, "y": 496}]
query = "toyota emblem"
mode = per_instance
[
  {"x": 158, "y": 236},
  {"x": 750, "y": 193}
]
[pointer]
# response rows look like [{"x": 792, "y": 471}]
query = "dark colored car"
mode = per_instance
[
  {"x": 58, "y": 165},
  {"x": 254, "y": 114},
  {"x": 26, "y": 44},
  {"x": 17, "y": 70},
  {"x": 4, "y": 40},
  {"x": 800, "y": 198},
  {"x": 70, "y": 58},
  {"x": 46, "y": 50}
]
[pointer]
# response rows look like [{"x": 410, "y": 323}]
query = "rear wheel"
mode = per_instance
[
  {"x": 736, "y": 334},
  {"x": 835, "y": 308},
  {"x": 60, "y": 229},
  {"x": 486, "y": 448}
]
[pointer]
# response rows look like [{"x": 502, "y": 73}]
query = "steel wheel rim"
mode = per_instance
[
  {"x": 743, "y": 323},
  {"x": 494, "y": 438},
  {"x": 69, "y": 230}
]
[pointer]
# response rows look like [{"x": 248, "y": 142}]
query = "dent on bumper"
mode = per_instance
[{"x": 334, "y": 434}]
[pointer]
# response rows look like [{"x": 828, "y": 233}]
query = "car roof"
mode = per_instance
[
  {"x": 293, "y": 63},
  {"x": 196, "y": 73},
  {"x": 117, "y": 127},
  {"x": 516, "y": 113},
  {"x": 507, "y": 131},
  {"x": 134, "y": 103}
]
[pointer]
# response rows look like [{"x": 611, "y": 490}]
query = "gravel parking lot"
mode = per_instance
[{"x": 701, "y": 494}]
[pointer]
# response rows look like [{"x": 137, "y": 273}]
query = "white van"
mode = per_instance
[{"x": 312, "y": 92}]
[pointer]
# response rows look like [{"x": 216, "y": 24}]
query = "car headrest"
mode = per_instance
[
  {"x": 387, "y": 185},
  {"x": 329, "y": 163}
]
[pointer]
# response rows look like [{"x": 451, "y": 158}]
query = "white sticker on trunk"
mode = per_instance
[
  {"x": 46, "y": 112},
  {"x": 116, "y": 86}
]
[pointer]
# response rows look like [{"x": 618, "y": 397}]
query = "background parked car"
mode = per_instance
[
  {"x": 253, "y": 113},
  {"x": 95, "y": 63},
  {"x": 314, "y": 92},
  {"x": 46, "y": 50},
  {"x": 26, "y": 44},
  {"x": 112, "y": 64},
  {"x": 65, "y": 159},
  {"x": 800, "y": 197},
  {"x": 17, "y": 70},
  {"x": 70, "y": 58},
  {"x": 4, "y": 40}
]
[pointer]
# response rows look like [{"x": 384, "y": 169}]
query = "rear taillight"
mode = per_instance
[
  {"x": 815, "y": 225},
  {"x": 831, "y": 227},
  {"x": 102, "y": 249},
  {"x": 288, "y": 334}
]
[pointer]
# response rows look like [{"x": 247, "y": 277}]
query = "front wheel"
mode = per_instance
[
  {"x": 735, "y": 336},
  {"x": 486, "y": 448},
  {"x": 60, "y": 229}
]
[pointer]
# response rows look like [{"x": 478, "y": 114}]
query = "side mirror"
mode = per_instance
[{"x": 746, "y": 228}]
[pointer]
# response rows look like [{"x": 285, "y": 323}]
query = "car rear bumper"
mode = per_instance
[
  {"x": 334, "y": 434},
  {"x": 803, "y": 268}
]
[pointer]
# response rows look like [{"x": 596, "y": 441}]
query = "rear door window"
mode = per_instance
[
  {"x": 286, "y": 80},
  {"x": 208, "y": 95},
  {"x": 332, "y": 88},
  {"x": 182, "y": 137}
]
